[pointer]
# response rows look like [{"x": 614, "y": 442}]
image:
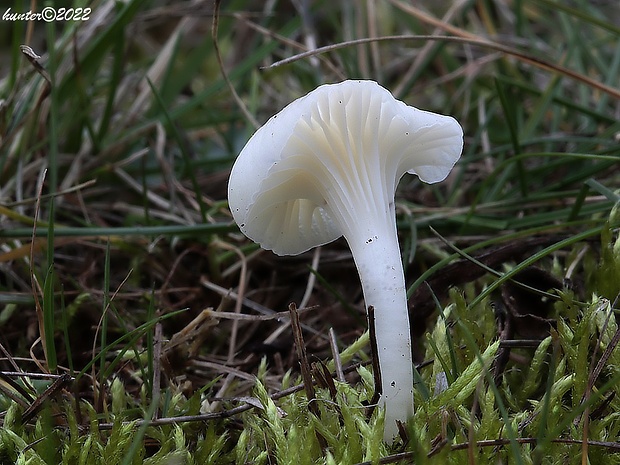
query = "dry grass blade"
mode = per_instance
[
  {"x": 267, "y": 313},
  {"x": 36, "y": 288},
  {"x": 278, "y": 316},
  {"x": 191, "y": 335},
  {"x": 526, "y": 58},
  {"x": 98, "y": 388},
  {"x": 59, "y": 383},
  {"x": 287, "y": 41},
  {"x": 33, "y": 58},
  {"x": 233, "y": 91},
  {"x": 69, "y": 190},
  {"x": 232, "y": 348},
  {"x": 300, "y": 347},
  {"x": 333, "y": 344},
  {"x": 158, "y": 341},
  {"x": 14, "y": 391},
  {"x": 306, "y": 371},
  {"x": 484, "y": 43}
]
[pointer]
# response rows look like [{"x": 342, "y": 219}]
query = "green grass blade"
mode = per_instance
[{"x": 49, "y": 320}]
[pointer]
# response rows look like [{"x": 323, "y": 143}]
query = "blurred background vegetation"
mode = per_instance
[{"x": 117, "y": 134}]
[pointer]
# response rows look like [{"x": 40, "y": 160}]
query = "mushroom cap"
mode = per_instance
[{"x": 330, "y": 154}]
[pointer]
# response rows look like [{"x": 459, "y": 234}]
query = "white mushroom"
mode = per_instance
[{"x": 327, "y": 166}]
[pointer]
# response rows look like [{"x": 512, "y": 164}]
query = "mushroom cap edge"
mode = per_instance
[{"x": 296, "y": 221}]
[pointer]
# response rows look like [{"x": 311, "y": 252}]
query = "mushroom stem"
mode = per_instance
[{"x": 377, "y": 256}]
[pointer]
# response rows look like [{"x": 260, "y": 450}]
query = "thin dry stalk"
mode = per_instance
[
  {"x": 96, "y": 392},
  {"x": 300, "y": 347},
  {"x": 376, "y": 369},
  {"x": 306, "y": 371},
  {"x": 316, "y": 256},
  {"x": 233, "y": 91},
  {"x": 333, "y": 344},
  {"x": 36, "y": 286},
  {"x": 524, "y": 57},
  {"x": 157, "y": 349}
]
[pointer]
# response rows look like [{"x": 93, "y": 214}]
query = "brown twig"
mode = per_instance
[
  {"x": 615, "y": 446},
  {"x": 375, "y": 359},
  {"x": 300, "y": 347},
  {"x": 60, "y": 382},
  {"x": 157, "y": 345},
  {"x": 306, "y": 372}
]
